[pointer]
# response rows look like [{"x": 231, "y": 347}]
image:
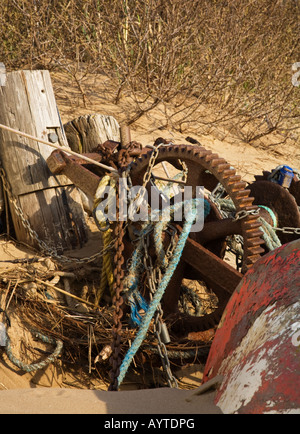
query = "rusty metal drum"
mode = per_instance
[{"x": 256, "y": 349}]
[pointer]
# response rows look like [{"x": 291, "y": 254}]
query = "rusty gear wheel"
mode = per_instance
[
  {"x": 202, "y": 255},
  {"x": 207, "y": 169}
]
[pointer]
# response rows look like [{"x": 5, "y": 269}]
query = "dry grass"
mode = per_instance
[{"x": 33, "y": 294}]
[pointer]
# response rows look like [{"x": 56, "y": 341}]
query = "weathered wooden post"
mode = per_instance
[
  {"x": 50, "y": 204},
  {"x": 87, "y": 132}
]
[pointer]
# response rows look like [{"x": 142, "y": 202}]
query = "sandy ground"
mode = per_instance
[
  {"x": 48, "y": 393},
  {"x": 149, "y": 401}
]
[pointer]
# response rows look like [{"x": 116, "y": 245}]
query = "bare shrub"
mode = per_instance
[{"x": 233, "y": 56}]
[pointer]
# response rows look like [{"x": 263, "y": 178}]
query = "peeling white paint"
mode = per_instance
[
  {"x": 296, "y": 339},
  {"x": 242, "y": 385},
  {"x": 296, "y": 326},
  {"x": 243, "y": 370},
  {"x": 285, "y": 411}
]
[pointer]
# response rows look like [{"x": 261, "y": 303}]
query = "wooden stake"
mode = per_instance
[{"x": 61, "y": 148}]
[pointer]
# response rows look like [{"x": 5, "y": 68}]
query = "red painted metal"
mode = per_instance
[{"x": 256, "y": 348}]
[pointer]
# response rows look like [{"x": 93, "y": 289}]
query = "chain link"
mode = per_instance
[
  {"x": 33, "y": 234},
  {"x": 154, "y": 276},
  {"x": 138, "y": 199},
  {"x": 288, "y": 230},
  {"x": 118, "y": 301},
  {"x": 243, "y": 214},
  {"x": 162, "y": 350},
  {"x": 152, "y": 160},
  {"x": 218, "y": 191}
]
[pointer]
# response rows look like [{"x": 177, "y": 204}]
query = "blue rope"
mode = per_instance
[
  {"x": 137, "y": 302},
  {"x": 145, "y": 323},
  {"x": 132, "y": 279}
]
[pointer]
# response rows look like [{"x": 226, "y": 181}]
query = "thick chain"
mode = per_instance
[
  {"x": 162, "y": 350},
  {"x": 218, "y": 191},
  {"x": 115, "y": 359},
  {"x": 47, "y": 250},
  {"x": 118, "y": 301},
  {"x": 159, "y": 327},
  {"x": 152, "y": 160}
]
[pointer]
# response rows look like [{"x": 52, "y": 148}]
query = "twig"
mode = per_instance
[
  {"x": 61, "y": 148},
  {"x": 11, "y": 295},
  {"x": 62, "y": 291},
  {"x": 89, "y": 333},
  {"x": 177, "y": 181}
]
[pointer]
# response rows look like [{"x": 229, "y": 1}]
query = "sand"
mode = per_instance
[{"x": 148, "y": 401}]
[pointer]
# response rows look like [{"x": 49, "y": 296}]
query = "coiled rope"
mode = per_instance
[
  {"x": 35, "y": 366},
  {"x": 269, "y": 235}
]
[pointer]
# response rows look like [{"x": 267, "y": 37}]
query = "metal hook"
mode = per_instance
[{"x": 101, "y": 228}]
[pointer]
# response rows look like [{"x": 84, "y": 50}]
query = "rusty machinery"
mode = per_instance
[
  {"x": 202, "y": 257},
  {"x": 279, "y": 191}
]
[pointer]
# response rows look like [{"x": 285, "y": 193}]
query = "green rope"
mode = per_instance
[
  {"x": 35, "y": 366},
  {"x": 271, "y": 213},
  {"x": 182, "y": 354},
  {"x": 269, "y": 235},
  {"x": 226, "y": 205}
]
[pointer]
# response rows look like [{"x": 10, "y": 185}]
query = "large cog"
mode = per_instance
[{"x": 207, "y": 169}]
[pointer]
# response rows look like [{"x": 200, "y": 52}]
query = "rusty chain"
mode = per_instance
[
  {"x": 115, "y": 360},
  {"x": 47, "y": 250},
  {"x": 288, "y": 230},
  {"x": 123, "y": 160},
  {"x": 118, "y": 301}
]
